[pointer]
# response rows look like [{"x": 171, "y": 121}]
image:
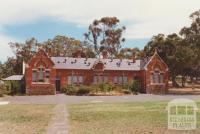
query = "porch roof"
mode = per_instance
[{"x": 14, "y": 78}]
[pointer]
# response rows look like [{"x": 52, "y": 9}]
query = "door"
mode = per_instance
[{"x": 57, "y": 84}]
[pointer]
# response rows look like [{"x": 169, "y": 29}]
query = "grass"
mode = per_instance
[
  {"x": 121, "y": 118},
  {"x": 24, "y": 119}
]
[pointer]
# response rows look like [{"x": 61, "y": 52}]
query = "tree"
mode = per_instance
[
  {"x": 127, "y": 53},
  {"x": 175, "y": 52},
  {"x": 24, "y": 51},
  {"x": 105, "y": 34},
  {"x": 191, "y": 36},
  {"x": 65, "y": 46}
]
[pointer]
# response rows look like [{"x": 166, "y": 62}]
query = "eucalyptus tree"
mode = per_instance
[{"x": 105, "y": 34}]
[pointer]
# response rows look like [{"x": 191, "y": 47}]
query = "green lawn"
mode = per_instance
[
  {"x": 121, "y": 118},
  {"x": 24, "y": 119}
]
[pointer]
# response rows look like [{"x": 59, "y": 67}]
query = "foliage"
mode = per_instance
[
  {"x": 65, "y": 46},
  {"x": 83, "y": 90},
  {"x": 127, "y": 53},
  {"x": 70, "y": 89},
  {"x": 175, "y": 51},
  {"x": 105, "y": 35},
  {"x": 134, "y": 86},
  {"x": 2, "y": 89},
  {"x": 13, "y": 87},
  {"x": 106, "y": 87}
]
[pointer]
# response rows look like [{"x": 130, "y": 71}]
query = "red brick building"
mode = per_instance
[{"x": 46, "y": 75}]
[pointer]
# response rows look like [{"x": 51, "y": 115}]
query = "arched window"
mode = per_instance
[
  {"x": 157, "y": 77},
  {"x": 40, "y": 75}
]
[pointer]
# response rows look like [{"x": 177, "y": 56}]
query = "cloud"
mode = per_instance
[
  {"x": 151, "y": 16},
  {"x": 143, "y": 18},
  {"x": 5, "y": 50}
]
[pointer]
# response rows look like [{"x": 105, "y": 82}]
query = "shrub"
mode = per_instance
[
  {"x": 83, "y": 90},
  {"x": 134, "y": 87},
  {"x": 106, "y": 87},
  {"x": 126, "y": 91},
  {"x": 70, "y": 89},
  {"x": 2, "y": 90},
  {"x": 13, "y": 87}
]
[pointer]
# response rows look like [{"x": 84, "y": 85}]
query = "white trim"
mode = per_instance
[
  {"x": 157, "y": 84},
  {"x": 40, "y": 83}
]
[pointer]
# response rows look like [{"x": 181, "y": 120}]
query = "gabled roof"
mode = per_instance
[
  {"x": 87, "y": 64},
  {"x": 155, "y": 55},
  {"x": 14, "y": 78}
]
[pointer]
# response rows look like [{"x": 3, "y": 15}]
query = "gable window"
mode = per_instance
[
  {"x": 34, "y": 76},
  {"x": 47, "y": 76},
  {"x": 156, "y": 77},
  {"x": 40, "y": 75}
]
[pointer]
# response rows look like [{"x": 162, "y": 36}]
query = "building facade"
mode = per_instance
[{"x": 46, "y": 75}]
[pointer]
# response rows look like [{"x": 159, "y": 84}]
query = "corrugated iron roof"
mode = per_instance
[
  {"x": 86, "y": 64},
  {"x": 14, "y": 78}
]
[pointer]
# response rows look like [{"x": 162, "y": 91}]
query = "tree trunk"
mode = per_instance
[
  {"x": 183, "y": 81},
  {"x": 174, "y": 83}
]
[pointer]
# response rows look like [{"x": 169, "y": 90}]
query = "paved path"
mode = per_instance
[
  {"x": 58, "y": 123},
  {"x": 63, "y": 99}
]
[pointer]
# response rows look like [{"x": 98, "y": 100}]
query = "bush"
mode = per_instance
[
  {"x": 134, "y": 87},
  {"x": 13, "y": 87},
  {"x": 70, "y": 89},
  {"x": 126, "y": 91},
  {"x": 106, "y": 87},
  {"x": 2, "y": 90},
  {"x": 83, "y": 90}
]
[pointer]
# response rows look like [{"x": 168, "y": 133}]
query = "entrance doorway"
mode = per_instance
[{"x": 57, "y": 84}]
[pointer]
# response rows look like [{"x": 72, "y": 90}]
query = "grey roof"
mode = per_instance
[
  {"x": 82, "y": 63},
  {"x": 14, "y": 77}
]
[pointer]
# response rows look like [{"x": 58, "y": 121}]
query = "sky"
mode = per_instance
[{"x": 44, "y": 19}]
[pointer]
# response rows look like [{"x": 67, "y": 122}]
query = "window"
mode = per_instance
[
  {"x": 80, "y": 79},
  {"x": 75, "y": 79},
  {"x": 47, "y": 76},
  {"x": 120, "y": 80},
  {"x": 125, "y": 79},
  {"x": 115, "y": 80},
  {"x": 41, "y": 75},
  {"x": 34, "y": 76},
  {"x": 95, "y": 79},
  {"x": 69, "y": 80},
  {"x": 98, "y": 79},
  {"x": 105, "y": 79},
  {"x": 156, "y": 77}
]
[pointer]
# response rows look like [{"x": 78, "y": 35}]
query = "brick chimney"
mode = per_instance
[
  {"x": 133, "y": 57},
  {"x": 105, "y": 54}
]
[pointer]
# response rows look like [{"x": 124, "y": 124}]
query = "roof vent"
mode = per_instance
[
  {"x": 118, "y": 64},
  {"x": 129, "y": 63},
  {"x": 88, "y": 64},
  {"x": 72, "y": 62},
  {"x": 65, "y": 61},
  {"x": 58, "y": 62}
]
